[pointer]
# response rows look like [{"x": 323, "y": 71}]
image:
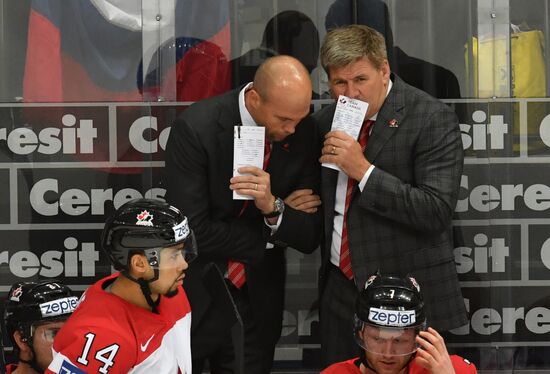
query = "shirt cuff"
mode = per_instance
[
  {"x": 366, "y": 177},
  {"x": 273, "y": 228}
]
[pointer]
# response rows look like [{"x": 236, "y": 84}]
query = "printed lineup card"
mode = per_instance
[
  {"x": 348, "y": 117},
  {"x": 248, "y": 150}
]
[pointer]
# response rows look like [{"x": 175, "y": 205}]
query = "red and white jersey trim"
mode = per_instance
[{"x": 106, "y": 334}]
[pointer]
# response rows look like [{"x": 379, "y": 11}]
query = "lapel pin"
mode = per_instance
[
  {"x": 286, "y": 147},
  {"x": 393, "y": 123}
]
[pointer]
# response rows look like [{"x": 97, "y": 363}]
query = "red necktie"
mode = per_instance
[
  {"x": 235, "y": 269},
  {"x": 345, "y": 260}
]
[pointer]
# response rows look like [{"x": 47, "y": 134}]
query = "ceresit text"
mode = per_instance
[
  {"x": 487, "y": 321},
  {"x": 76, "y": 259},
  {"x": 482, "y": 259},
  {"x": 137, "y": 135},
  {"x": 486, "y": 197},
  {"x": 52, "y": 140},
  {"x": 475, "y": 136},
  {"x": 75, "y": 202}
]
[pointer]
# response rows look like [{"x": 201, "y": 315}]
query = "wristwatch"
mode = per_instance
[{"x": 278, "y": 208}]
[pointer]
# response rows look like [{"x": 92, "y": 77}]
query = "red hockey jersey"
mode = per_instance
[
  {"x": 461, "y": 366},
  {"x": 106, "y": 334}
]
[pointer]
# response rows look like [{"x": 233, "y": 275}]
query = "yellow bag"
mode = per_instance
[{"x": 489, "y": 67}]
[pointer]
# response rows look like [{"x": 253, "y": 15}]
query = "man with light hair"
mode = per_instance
[
  {"x": 390, "y": 327},
  {"x": 390, "y": 205}
]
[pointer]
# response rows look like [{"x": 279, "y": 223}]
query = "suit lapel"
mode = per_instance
[
  {"x": 391, "y": 113},
  {"x": 229, "y": 118}
]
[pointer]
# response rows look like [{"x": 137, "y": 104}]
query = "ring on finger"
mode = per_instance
[
  {"x": 333, "y": 150},
  {"x": 255, "y": 186}
]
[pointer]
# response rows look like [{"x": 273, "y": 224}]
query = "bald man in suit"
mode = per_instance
[
  {"x": 390, "y": 207},
  {"x": 200, "y": 181}
]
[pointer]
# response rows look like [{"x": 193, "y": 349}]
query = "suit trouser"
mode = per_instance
[
  {"x": 337, "y": 310},
  {"x": 220, "y": 355}
]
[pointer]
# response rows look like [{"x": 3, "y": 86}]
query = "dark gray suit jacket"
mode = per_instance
[
  {"x": 199, "y": 164},
  {"x": 401, "y": 221}
]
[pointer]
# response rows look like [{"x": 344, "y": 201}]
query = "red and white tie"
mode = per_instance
[{"x": 345, "y": 260}]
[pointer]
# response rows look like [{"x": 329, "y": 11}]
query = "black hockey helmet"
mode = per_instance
[
  {"x": 389, "y": 306},
  {"x": 31, "y": 303},
  {"x": 146, "y": 225}
]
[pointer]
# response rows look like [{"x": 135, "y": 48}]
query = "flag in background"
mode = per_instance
[{"x": 91, "y": 50}]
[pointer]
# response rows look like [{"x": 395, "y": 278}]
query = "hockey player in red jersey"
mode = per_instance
[
  {"x": 390, "y": 326},
  {"x": 137, "y": 320},
  {"x": 33, "y": 314}
]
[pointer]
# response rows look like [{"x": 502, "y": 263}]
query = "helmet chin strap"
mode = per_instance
[
  {"x": 32, "y": 362},
  {"x": 146, "y": 289},
  {"x": 365, "y": 362}
]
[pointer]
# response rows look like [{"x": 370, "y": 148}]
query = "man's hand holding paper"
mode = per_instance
[
  {"x": 248, "y": 158},
  {"x": 250, "y": 181},
  {"x": 341, "y": 151}
]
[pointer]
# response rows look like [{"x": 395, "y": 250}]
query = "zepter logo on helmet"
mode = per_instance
[
  {"x": 147, "y": 226},
  {"x": 389, "y": 314},
  {"x": 31, "y": 303}
]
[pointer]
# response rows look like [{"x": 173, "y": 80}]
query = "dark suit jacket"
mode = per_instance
[
  {"x": 199, "y": 164},
  {"x": 401, "y": 222}
]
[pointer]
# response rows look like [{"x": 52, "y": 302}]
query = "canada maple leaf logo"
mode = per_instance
[{"x": 144, "y": 219}]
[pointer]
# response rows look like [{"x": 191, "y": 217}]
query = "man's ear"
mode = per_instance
[
  {"x": 385, "y": 68},
  {"x": 139, "y": 264},
  {"x": 253, "y": 99},
  {"x": 25, "y": 351}
]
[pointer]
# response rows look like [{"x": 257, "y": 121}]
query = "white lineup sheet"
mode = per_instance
[{"x": 248, "y": 150}]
